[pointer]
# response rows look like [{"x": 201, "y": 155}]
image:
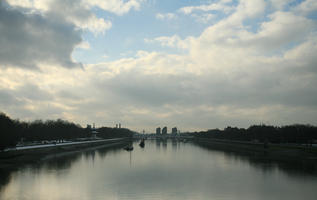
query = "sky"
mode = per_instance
[{"x": 194, "y": 65}]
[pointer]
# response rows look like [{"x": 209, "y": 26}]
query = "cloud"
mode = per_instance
[
  {"x": 118, "y": 7},
  {"x": 306, "y": 7},
  {"x": 79, "y": 14},
  {"x": 219, "y": 6},
  {"x": 229, "y": 74},
  {"x": 7, "y": 99},
  {"x": 35, "y": 5},
  {"x": 250, "y": 9},
  {"x": 272, "y": 33},
  {"x": 173, "y": 41},
  {"x": 163, "y": 16},
  {"x": 83, "y": 45},
  {"x": 204, "y": 18},
  {"x": 28, "y": 40},
  {"x": 231, "y": 34},
  {"x": 75, "y": 12},
  {"x": 279, "y": 4},
  {"x": 245, "y": 9},
  {"x": 45, "y": 32}
]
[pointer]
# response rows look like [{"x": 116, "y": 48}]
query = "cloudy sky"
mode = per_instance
[{"x": 148, "y": 63}]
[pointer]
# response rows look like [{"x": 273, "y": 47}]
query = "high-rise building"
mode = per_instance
[
  {"x": 94, "y": 131},
  {"x": 174, "y": 131},
  {"x": 119, "y": 125},
  {"x": 164, "y": 131},
  {"x": 158, "y": 131}
]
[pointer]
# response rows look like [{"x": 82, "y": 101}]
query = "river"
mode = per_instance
[{"x": 161, "y": 170}]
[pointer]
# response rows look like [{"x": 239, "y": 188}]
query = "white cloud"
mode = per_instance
[
  {"x": 77, "y": 13},
  {"x": 105, "y": 56},
  {"x": 306, "y": 7},
  {"x": 93, "y": 24},
  {"x": 245, "y": 9},
  {"x": 280, "y": 30},
  {"x": 83, "y": 45},
  {"x": 34, "y": 5},
  {"x": 279, "y": 4},
  {"x": 204, "y": 18},
  {"x": 250, "y": 9},
  {"x": 173, "y": 41},
  {"x": 219, "y": 6},
  {"x": 118, "y": 7},
  {"x": 163, "y": 16},
  {"x": 283, "y": 28}
]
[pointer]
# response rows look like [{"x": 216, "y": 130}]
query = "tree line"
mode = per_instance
[
  {"x": 13, "y": 131},
  {"x": 297, "y": 133}
]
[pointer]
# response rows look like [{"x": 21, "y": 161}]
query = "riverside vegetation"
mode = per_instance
[
  {"x": 296, "y": 134},
  {"x": 13, "y": 131}
]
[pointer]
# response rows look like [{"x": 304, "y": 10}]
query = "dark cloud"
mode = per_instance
[
  {"x": 69, "y": 95},
  {"x": 23, "y": 94},
  {"x": 29, "y": 100},
  {"x": 7, "y": 98},
  {"x": 69, "y": 8},
  {"x": 245, "y": 90},
  {"x": 148, "y": 90},
  {"x": 28, "y": 39},
  {"x": 33, "y": 92}
]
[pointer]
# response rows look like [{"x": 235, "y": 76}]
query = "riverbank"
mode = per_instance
[
  {"x": 15, "y": 158},
  {"x": 288, "y": 153}
]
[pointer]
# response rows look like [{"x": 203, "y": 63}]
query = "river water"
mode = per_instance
[{"x": 161, "y": 170}]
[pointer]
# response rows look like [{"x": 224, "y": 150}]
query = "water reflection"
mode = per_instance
[
  {"x": 158, "y": 144},
  {"x": 163, "y": 169},
  {"x": 58, "y": 162},
  {"x": 263, "y": 162},
  {"x": 174, "y": 144},
  {"x": 164, "y": 144}
]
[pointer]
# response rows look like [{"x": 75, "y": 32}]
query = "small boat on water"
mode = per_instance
[
  {"x": 142, "y": 143},
  {"x": 128, "y": 148}
]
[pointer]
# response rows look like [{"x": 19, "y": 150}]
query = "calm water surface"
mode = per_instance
[{"x": 162, "y": 170}]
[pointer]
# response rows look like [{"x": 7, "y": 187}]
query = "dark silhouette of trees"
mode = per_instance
[
  {"x": 9, "y": 131},
  {"x": 52, "y": 130},
  {"x": 297, "y": 133},
  {"x": 106, "y": 132},
  {"x": 13, "y": 131}
]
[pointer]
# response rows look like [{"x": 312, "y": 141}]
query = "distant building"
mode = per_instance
[
  {"x": 158, "y": 131},
  {"x": 164, "y": 131},
  {"x": 119, "y": 125},
  {"x": 94, "y": 132},
  {"x": 88, "y": 126},
  {"x": 116, "y": 125},
  {"x": 174, "y": 131}
]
